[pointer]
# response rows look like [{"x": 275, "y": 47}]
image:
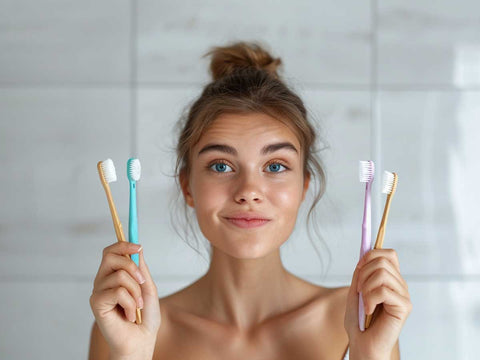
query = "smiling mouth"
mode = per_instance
[{"x": 245, "y": 224}]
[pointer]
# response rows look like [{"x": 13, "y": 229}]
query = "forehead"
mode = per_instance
[{"x": 253, "y": 129}]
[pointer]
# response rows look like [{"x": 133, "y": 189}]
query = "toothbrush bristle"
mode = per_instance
[
  {"x": 108, "y": 170},
  {"x": 366, "y": 170},
  {"x": 388, "y": 180},
  {"x": 134, "y": 169}
]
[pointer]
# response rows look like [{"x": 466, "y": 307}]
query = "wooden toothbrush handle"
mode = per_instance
[
  {"x": 379, "y": 243},
  {"x": 120, "y": 236}
]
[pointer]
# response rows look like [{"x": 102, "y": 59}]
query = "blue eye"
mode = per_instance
[
  {"x": 275, "y": 167},
  {"x": 219, "y": 166}
]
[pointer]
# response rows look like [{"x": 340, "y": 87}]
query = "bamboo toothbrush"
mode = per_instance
[
  {"x": 107, "y": 173},
  {"x": 390, "y": 181},
  {"x": 366, "y": 175},
  {"x": 133, "y": 174}
]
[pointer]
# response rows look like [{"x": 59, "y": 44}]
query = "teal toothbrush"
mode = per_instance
[{"x": 133, "y": 173}]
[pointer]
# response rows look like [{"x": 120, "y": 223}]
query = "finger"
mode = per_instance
[
  {"x": 382, "y": 277},
  {"x": 108, "y": 300},
  {"x": 394, "y": 304},
  {"x": 381, "y": 263},
  {"x": 121, "y": 278},
  {"x": 390, "y": 254},
  {"x": 122, "y": 248},
  {"x": 112, "y": 262}
]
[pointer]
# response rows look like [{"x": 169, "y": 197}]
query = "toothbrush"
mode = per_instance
[
  {"x": 390, "y": 181},
  {"x": 133, "y": 174},
  {"x": 107, "y": 173},
  {"x": 366, "y": 175}
]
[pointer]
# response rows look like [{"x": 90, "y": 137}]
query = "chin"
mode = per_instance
[{"x": 246, "y": 247}]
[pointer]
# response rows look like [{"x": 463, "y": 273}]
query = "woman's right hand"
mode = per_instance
[{"x": 116, "y": 295}]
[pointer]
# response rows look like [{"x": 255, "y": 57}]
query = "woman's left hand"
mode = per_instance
[{"x": 378, "y": 277}]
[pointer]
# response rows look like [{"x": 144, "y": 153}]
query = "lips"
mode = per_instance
[
  {"x": 243, "y": 223},
  {"x": 247, "y": 216},
  {"x": 247, "y": 220}
]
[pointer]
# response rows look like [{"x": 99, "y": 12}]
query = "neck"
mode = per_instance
[{"x": 245, "y": 292}]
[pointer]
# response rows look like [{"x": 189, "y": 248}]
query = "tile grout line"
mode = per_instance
[
  {"x": 133, "y": 75},
  {"x": 176, "y": 278},
  {"x": 185, "y": 85},
  {"x": 376, "y": 150}
]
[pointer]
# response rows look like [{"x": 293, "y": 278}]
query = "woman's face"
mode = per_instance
[{"x": 240, "y": 177}]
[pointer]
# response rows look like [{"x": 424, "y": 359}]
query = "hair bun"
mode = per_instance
[{"x": 227, "y": 59}]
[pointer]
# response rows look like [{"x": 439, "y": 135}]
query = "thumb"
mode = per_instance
[
  {"x": 151, "y": 306},
  {"x": 351, "y": 313},
  {"x": 148, "y": 287}
]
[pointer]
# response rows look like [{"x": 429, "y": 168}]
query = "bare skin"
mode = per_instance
[
  {"x": 311, "y": 328},
  {"x": 247, "y": 305}
]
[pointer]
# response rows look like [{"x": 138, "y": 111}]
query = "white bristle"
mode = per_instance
[
  {"x": 366, "y": 170},
  {"x": 388, "y": 179},
  {"x": 109, "y": 172},
  {"x": 134, "y": 169}
]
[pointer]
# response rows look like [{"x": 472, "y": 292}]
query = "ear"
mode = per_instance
[
  {"x": 305, "y": 185},
  {"x": 186, "y": 189}
]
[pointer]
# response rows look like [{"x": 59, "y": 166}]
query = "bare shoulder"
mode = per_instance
[{"x": 334, "y": 303}]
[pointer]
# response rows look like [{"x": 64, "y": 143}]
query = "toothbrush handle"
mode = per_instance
[
  {"x": 132, "y": 220},
  {"x": 113, "y": 211},
  {"x": 133, "y": 231},
  {"x": 365, "y": 247},
  {"x": 118, "y": 228},
  {"x": 379, "y": 243}
]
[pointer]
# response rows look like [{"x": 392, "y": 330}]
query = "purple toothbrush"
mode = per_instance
[{"x": 366, "y": 174}]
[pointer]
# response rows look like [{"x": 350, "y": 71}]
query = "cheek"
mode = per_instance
[
  {"x": 209, "y": 196},
  {"x": 286, "y": 195}
]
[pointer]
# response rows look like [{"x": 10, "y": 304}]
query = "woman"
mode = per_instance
[{"x": 245, "y": 160}]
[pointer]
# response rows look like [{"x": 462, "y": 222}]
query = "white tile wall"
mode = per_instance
[
  {"x": 81, "y": 82},
  {"x": 58, "y": 41},
  {"x": 426, "y": 44},
  {"x": 318, "y": 42}
]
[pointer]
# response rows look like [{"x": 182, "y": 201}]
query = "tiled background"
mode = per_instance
[{"x": 81, "y": 81}]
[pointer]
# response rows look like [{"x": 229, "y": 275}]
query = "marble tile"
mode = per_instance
[
  {"x": 424, "y": 44},
  {"x": 343, "y": 121},
  {"x": 55, "y": 214},
  {"x": 430, "y": 140},
  {"x": 318, "y": 42},
  {"x": 65, "y": 41}
]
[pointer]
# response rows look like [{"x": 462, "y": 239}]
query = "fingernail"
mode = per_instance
[
  {"x": 140, "y": 248},
  {"x": 140, "y": 277},
  {"x": 140, "y": 302}
]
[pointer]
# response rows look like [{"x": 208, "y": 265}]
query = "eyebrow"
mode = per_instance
[{"x": 267, "y": 149}]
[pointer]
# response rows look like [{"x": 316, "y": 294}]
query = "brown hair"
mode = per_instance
[{"x": 245, "y": 80}]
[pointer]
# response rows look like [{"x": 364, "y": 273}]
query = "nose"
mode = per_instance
[{"x": 249, "y": 189}]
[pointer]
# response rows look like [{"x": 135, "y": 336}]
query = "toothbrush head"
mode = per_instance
[
  {"x": 133, "y": 169},
  {"x": 366, "y": 171},
  {"x": 389, "y": 182},
  {"x": 107, "y": 172}
]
